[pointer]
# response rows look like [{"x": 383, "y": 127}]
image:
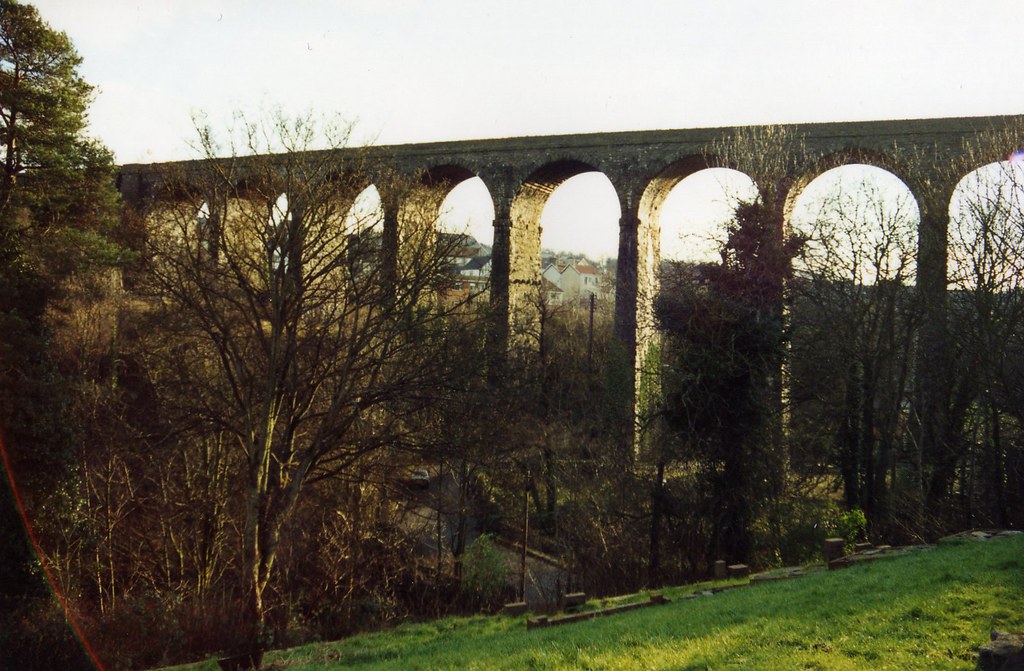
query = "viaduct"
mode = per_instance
[{"x": 521, "y": 173}]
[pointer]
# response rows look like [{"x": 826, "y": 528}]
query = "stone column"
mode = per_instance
[
  {"x": 390, "y": 235},
  {"x": 626, "y": 282},
  {"x": 497, "y": 345},
  {"x": 631, "y": 302},
  {"x": 933, "y": 356},
  {"x": 295, "y": 241}
]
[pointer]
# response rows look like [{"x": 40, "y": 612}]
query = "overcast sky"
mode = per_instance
[{"x": 423, "y": 70}]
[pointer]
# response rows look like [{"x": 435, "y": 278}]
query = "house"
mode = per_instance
[
  {"x": 470, "y": 267},
  {"x": 553, "y": 274},
  {"x": 577, "y": 279},
  {"x": 477, "y": 266},
  {"x": 553, "y": 294},
  {"x": 460, "y": 249},
  {"x": 590, "y": 279}
]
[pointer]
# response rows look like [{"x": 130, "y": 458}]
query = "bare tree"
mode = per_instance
[
  {"x": 986, "y": 277},
  {"x": 854, "y": 323},
  {"x": 292, "y": 329}
]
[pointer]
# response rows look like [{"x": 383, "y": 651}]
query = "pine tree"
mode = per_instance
[{"x": 58, "y": 208}]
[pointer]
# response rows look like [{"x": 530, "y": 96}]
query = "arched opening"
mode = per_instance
[
  {"x": 985, "y": 266},
  {"x": 695, "y": 212},
  {"x": 985, "y": 306},
  {"x": 366, "y": 213},
  {"x": 681, "y": 218},
  {"x": 526, "y": 212},
  {"x": 579, "y": 245},
  {"x": 469, "y": 209},
  {"x": 581, "y": 218},
  {"x": 466, "y": 223},
  {"x": 207, "y": 231},
  {"x": 363, "y": 229},
  {"x": 281, "y": 245},
  {"x": 563, "y": 236},
  {"x": 860, "y": 223},
  {"x": 203, "y": 215},
  {"x": 853, "y": 320},
  {"x": 986, "y": 230}
]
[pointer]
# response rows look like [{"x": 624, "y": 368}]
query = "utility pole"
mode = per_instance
[{"x": 590, "y": 337}]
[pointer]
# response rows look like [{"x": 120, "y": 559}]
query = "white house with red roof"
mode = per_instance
[{"x": 577, "y": 278}]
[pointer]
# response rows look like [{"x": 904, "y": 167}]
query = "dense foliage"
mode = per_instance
[
  {"x": 58, "y": 209},
  {"x": 724, "y": 342}
]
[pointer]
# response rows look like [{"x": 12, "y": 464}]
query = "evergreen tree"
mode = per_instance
[
  {"x": 58, "y": 207},
  {"x": 724, "y": 341},
  {"x": 58, "y": 210}
]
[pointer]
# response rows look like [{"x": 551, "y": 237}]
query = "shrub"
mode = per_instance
[
  {"x": 808, "y": 522},
  {"x": 484, "y": 574},
  {"x": 850, "y": 525}
]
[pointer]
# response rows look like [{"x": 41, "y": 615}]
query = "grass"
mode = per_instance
[{"x": 926, "y": 610}]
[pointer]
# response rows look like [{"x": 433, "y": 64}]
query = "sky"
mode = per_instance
[{"x": 430, "y": 70}]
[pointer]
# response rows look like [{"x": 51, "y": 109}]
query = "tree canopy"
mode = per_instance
[
  {"x": 42, "y": 98},
  {"x": 58, "y": 205}
]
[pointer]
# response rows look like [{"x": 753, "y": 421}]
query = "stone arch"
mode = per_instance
[
  {"x": 655, "y": 192},
  {"x": 334, "y": 206},
  {"x": 694, "y": 218},
  {"x": 524, "y": 228},
  {"x": 171, "y": 211},
  {"x": 638, "y": 323},
  {"x": 866, "y": 234},
  {"x": 363, "y": 210},
  {"x": 446, "y": 176},
  {"x": 445, "y": 179},
  {"x": 535, "y": 189},
  {"x": 255, "y": 187},
  {"x": 470, "y": 207},
  {"x": 245, "y": 217},
  {"x": 657, "y": 189},
  {"x": 341, "y": 188},
  {"x": 838, "y": 159},
  {"x": 412, "y": 207},
  {"x": 646, "y": 229},
  {"x": 409, "y": 199},
  {"x": 985, "y": 236}
]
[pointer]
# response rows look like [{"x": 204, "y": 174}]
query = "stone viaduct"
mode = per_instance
[{"x": 521, "y": 173}]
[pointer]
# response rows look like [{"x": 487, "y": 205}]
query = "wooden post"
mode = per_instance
[{"x": 526, "y": 537}]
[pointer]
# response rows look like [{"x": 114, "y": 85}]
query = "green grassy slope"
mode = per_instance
[{"x": 927, "y": 610}]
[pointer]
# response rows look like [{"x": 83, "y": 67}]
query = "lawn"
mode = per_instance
[{"x": 928, "y": 610}]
